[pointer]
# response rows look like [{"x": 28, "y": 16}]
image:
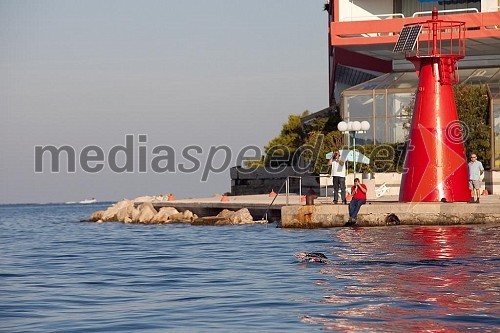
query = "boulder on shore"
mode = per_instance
[
  {"x": 110, "y": 214},
  {"x": 126, "y": 211},
  {"x": 147, "y": 212},
  {"x": 226, "y": 217},
  {"x": 134, "y": 216},
  {"x": 241, "y": 216},
  {"x": 210, "y": 220},
  {"x": 96, "y": 216},
  {"x": 115, "y": 212},
  {"x": 189, "y": 215},
  {"x": 226, "y": 214},
  {"x": 163, "y": 215},
  {"x": 185, "y": 217}
]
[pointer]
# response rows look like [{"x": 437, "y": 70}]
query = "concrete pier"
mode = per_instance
[
  {"x": 388, "y": 211},
  {"x": 324, "y": 214}
]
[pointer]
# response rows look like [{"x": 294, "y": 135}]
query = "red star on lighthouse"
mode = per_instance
[{"x": 448, "y": 161}]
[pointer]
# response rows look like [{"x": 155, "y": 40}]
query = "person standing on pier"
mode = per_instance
[
  {"x": 338, "y": 177},
  {"x": 475, "y": 171},
  {"x": 358, "y": 192}
]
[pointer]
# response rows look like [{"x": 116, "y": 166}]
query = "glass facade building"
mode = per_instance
[{"x": 384, "y": 101}]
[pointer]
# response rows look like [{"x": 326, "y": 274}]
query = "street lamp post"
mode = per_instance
[{"x": 353, "y": 127}]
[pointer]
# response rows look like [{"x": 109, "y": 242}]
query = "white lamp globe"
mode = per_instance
[
  {"x": 349, "y": 126},
  {"x": 365, "y": 126},
  {"x": 342, "y": 126},
  {"x": 356, "y": 126}
]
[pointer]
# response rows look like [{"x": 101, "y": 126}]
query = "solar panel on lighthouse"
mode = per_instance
[
  {"x": 402, "y": 39},
  {"x": 407, "y": 38},
  {"x": 412, "y": 38}
]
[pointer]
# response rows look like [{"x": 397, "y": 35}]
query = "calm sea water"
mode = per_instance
[{"x": 61, "y": 275}]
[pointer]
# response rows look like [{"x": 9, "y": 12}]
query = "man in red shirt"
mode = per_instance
[{"x": 358, "y": 192}]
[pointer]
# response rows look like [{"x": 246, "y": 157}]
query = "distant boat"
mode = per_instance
[{"x": 88, "y": 201}]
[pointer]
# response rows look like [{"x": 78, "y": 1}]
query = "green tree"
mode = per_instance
[
  {"x": 318, "y": 144},
  {"x": 472, "y": 106},
  {"x": 282, "y": 148},
  {"x": 295, "y": 142}
]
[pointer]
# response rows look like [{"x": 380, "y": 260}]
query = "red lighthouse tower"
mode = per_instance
[{"x": 435, "y": 167}]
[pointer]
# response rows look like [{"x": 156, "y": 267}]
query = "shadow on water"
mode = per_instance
[{"x": 410, "y": 279}]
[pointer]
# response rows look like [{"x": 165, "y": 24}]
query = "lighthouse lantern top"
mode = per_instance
[{"x": 431, "y": 38}]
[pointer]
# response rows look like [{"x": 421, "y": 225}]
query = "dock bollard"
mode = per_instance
[{"x": 310, "y": 196}]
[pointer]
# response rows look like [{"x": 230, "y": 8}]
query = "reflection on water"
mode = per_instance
[{"x": 407, "y": 279}]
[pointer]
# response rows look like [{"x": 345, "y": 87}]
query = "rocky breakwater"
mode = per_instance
[
  {"x": 226, "y": 217},
  {"x": 142, "y": 210}
]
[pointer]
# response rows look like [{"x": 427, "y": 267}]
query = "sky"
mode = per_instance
[{"x": 185, "y": 78}]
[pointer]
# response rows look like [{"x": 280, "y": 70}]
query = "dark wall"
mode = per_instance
[{"x": 263, "y": 181}]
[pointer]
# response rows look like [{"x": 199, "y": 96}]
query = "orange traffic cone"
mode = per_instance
[
  {"x": 272, "y": 194},
  {"x": 224, "y": 198},
  {"x": 303, "y": 198},
  {"x": 171, "y": 197}
]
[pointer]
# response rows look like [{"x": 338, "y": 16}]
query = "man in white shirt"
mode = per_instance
[
  {"x": 475, "y": 171},
  {"x": 338, "y": 174}
]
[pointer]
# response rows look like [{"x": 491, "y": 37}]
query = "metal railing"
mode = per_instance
[
  {"x": 445, "y": 11},
  {"x": 375, "y": 16},
  {"x": 326, "y": 184},
  {"x": 300, "y": 186},
  {"x": 286, "y": 184},
  {"x": 272, "y": 202}
]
